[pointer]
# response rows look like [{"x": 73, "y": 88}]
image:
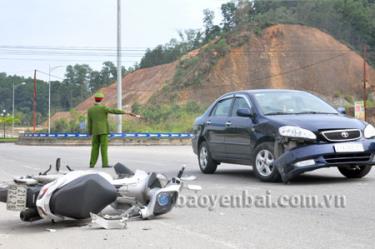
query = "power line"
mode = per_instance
[
  {"x": 54, "y": 76},
  {"x": 293, "y": 51},
  {"x": 299, "y": 68},
  {"x": 61, "y": 50},
  {"x": 71, "y": 48},
  {"x": 135, "y": 50},
  {"x": 48, "y": 53},
  {"x": 44, "y": 56},
  {"x": 62, "y": 60}
]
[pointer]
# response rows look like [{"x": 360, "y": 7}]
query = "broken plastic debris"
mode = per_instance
[{"x": 107, "y": 223}]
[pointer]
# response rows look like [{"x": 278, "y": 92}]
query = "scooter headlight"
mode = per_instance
[
  {"x": 164, "y": 199},
  {"x": 369, "y": 131},
  {"x": 296, "y": 132}
]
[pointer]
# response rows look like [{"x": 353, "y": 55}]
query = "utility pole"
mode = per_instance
[
  {"x": 34, "y": 102},
  {"x": 13, "y": 106},
  {"x": 364, "y": 79},
  {"x": 49, "y": 99},
  {"x": 119, "y": 76}
]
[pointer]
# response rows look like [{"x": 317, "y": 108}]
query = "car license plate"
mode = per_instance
[
  {"x": 16, "y": 199},
  {"x": 348, "y": 147}
]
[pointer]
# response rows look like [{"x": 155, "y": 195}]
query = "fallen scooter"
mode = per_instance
[{"x": 84, "y": 194}]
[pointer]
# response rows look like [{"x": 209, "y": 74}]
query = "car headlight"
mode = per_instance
[
  {"x": 369, "y": 131},
  {"x": 296, "y": 132}
]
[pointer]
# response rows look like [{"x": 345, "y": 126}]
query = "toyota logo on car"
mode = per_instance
[{"x": 345, "y": 134}]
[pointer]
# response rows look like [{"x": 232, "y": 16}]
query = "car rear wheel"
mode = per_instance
[
  {"x": 354, "y": 171},
  {"x": 206, "y": 163},
  {"x": 263, "y": 159}
]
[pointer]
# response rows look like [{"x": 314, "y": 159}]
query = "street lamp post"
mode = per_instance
[
  {"x": 3, "y": 114},
  {"x": 50, "y": 69},
  {"x": 13, "y": 100},
  {"x": 119, "y": 76}
]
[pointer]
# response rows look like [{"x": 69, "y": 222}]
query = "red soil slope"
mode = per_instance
[{"x": 283, "y": 56}]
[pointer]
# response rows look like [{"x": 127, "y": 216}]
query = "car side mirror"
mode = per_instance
[
  {"x": 245, "y": 112},
  {"x": 341, "y": 110}
]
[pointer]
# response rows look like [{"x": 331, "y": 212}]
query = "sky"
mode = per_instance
[{"x": 30, "y": 28}]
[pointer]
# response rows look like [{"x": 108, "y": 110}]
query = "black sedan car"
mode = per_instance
[{"x": 282, "y": 133}]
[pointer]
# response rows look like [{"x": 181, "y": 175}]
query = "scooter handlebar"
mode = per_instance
[{"x": 181, "y": 172}]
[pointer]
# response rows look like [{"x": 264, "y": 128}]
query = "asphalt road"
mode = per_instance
[{"x": 293, "y": 226}]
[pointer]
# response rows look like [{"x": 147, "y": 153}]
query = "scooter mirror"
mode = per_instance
[
  {"x": 58, "y": 164},
  {"x": 163, "y": 179},
  {"x": 188, "y": 178},
  {"x": 194, "y": 187}
]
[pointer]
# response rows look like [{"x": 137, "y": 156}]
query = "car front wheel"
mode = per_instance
[
  {"x": 354, "y": 171},
  {"x": 263, "y": 159},
  {"x": 206, "y": 164}
]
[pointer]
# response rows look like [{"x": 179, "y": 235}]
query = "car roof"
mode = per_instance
[{"x": 254, "y": 91}]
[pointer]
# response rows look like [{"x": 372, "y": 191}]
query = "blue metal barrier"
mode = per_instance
[{"x": 112, "y": 135}]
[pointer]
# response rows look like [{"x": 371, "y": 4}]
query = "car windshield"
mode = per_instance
[{"x": 288, "y": 102}]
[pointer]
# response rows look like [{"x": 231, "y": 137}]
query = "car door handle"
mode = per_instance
[
  {"x": 228, "y": 123},
  {"x": 208, "y": 122}
]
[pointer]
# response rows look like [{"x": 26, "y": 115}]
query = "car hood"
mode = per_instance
[{"x": 316, "y": 122}]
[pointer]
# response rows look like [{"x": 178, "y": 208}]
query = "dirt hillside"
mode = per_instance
[
  {"x": 283, "y": 56},
  {"x": 138, "y": 86},
  {"x": 286, "y": 56}
]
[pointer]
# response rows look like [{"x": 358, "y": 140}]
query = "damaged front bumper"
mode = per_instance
[{"x": 315, "y": 156}]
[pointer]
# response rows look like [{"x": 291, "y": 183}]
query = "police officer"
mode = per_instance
[{"x": 98, "y": 127}]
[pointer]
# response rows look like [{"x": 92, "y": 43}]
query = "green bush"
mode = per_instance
[
  {"x": 349, "y": 98},
  {"x": 136, "y": 107},
  {"x": 155, "y": 118},
  {"x": 164, "y": 118},
  {"x": 69, "y": 125},
  {"x": 60, "y": 125}
]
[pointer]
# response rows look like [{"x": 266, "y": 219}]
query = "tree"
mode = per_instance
[
  {"x": 228, "y": 11},
  {"x": 96, "y": 81},
  {"x": 244, "y": 13},
  {"x": 348, "y": 20},
  {"x": 208, "y": 20},
  {"x": 211, "y": 30},
  {"x": 77, "y": 80},
  {"x": 7, "y": 120},
  {"x": 108, "y": 72},
  {"x": 189, "y": 39}
]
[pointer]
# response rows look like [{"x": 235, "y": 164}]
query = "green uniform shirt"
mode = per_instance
[{"x": 97, "y": 119}]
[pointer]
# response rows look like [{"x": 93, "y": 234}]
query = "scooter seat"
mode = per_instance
[{"x": 84, "y": 195}]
